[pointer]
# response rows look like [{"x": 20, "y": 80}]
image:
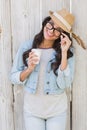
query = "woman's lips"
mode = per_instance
[{"x": 49, "y": 34}]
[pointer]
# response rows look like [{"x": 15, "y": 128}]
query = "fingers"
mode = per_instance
[
  {"x": 65, "y": 38},
  {"x": 64, "y": 34},
  {"x": 61, "y": 37},
  {"x": 65, "y": 42},
  {"x": 33, "y": 58}
]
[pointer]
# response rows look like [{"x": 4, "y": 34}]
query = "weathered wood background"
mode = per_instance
[{"x": 20, "y": 20}]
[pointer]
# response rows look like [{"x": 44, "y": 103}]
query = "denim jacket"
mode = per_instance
[{"x": 52, "y": 84}]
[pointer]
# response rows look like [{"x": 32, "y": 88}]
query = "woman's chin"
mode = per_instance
[{"x": 48, "y": 37}]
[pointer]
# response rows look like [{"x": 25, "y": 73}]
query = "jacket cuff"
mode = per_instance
[
  {"x": 16, "y": 78},
  {"x": 66, "y": 71}
]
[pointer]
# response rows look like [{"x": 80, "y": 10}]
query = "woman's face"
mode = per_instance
[{"x": 52, "y": 31}]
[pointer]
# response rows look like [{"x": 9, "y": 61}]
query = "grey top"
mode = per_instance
[{"x": 42, "y": 105}]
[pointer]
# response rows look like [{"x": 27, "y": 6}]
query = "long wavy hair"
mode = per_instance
[{"x": 56, "y": 46}]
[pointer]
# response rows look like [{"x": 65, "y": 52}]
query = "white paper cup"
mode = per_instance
[{"x": 38, "y": 53}]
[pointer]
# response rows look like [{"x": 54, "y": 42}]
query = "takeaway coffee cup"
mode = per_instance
[{"x": 38, "y": 53}]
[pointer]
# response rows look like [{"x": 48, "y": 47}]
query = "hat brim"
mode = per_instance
[{"x": 58, "y": 22}]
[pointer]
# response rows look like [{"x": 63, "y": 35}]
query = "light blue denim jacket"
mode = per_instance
[{"x": 52, "y": 84}]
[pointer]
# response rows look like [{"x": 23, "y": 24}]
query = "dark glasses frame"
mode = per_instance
[{"x": 60, "y": 30}]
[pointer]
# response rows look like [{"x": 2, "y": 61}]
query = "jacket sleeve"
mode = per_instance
[
  {"x": 18, "y": 65},
  {"x": 65, "y": 77}
]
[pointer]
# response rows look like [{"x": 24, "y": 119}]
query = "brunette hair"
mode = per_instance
[{"x": 57, "y": 47}]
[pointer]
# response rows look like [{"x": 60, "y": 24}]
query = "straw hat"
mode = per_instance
[{"x": 65, "y": 20}]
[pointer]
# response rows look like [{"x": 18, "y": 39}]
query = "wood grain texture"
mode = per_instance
[
  {"x": 79, "y": 107},
  {"x": 6, "y": 95},
  {"x": 20, "y": 20}
]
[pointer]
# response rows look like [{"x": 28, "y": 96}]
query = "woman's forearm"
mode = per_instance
[
  {"x": 63, "y": 60},
  {"x": 24, "y": 74}
]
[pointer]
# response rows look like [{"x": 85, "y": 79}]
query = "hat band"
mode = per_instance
[{"x": 62, "y": 20}]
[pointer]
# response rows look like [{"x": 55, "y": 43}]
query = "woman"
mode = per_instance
[{"x": 45, "y": 100}]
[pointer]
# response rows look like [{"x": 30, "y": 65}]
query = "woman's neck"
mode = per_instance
[{"x": 46, "y": 44}]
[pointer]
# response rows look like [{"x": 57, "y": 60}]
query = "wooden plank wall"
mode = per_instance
[
  {"x": 79, "y": 96},
  {"x": 6, "y": 95},
  {"x": 20, "y": 20}
]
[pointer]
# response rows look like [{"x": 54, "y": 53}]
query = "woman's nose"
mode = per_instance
[{"x": 51, "y": 31}]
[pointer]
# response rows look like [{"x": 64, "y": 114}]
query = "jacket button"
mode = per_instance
[
  {"x": 48, "y": 82},
  {"x": 47, "y": 92}
]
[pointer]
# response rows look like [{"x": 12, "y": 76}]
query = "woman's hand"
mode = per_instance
[
  {"x": 65, "y": 42},
  {"x": 33, "y": 59},
  {"x": 31, "y": 65}
]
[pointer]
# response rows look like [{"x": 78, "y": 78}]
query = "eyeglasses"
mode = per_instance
[{"x": 50, "y": 26}]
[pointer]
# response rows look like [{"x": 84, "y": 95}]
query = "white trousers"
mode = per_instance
[{"x": 52, "y": 123}]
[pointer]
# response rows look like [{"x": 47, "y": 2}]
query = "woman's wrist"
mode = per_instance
[
  {"x": 25, "y": 74},
  {"x": 29, "y": 70},
  {"x": 64, "y": 53}
]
